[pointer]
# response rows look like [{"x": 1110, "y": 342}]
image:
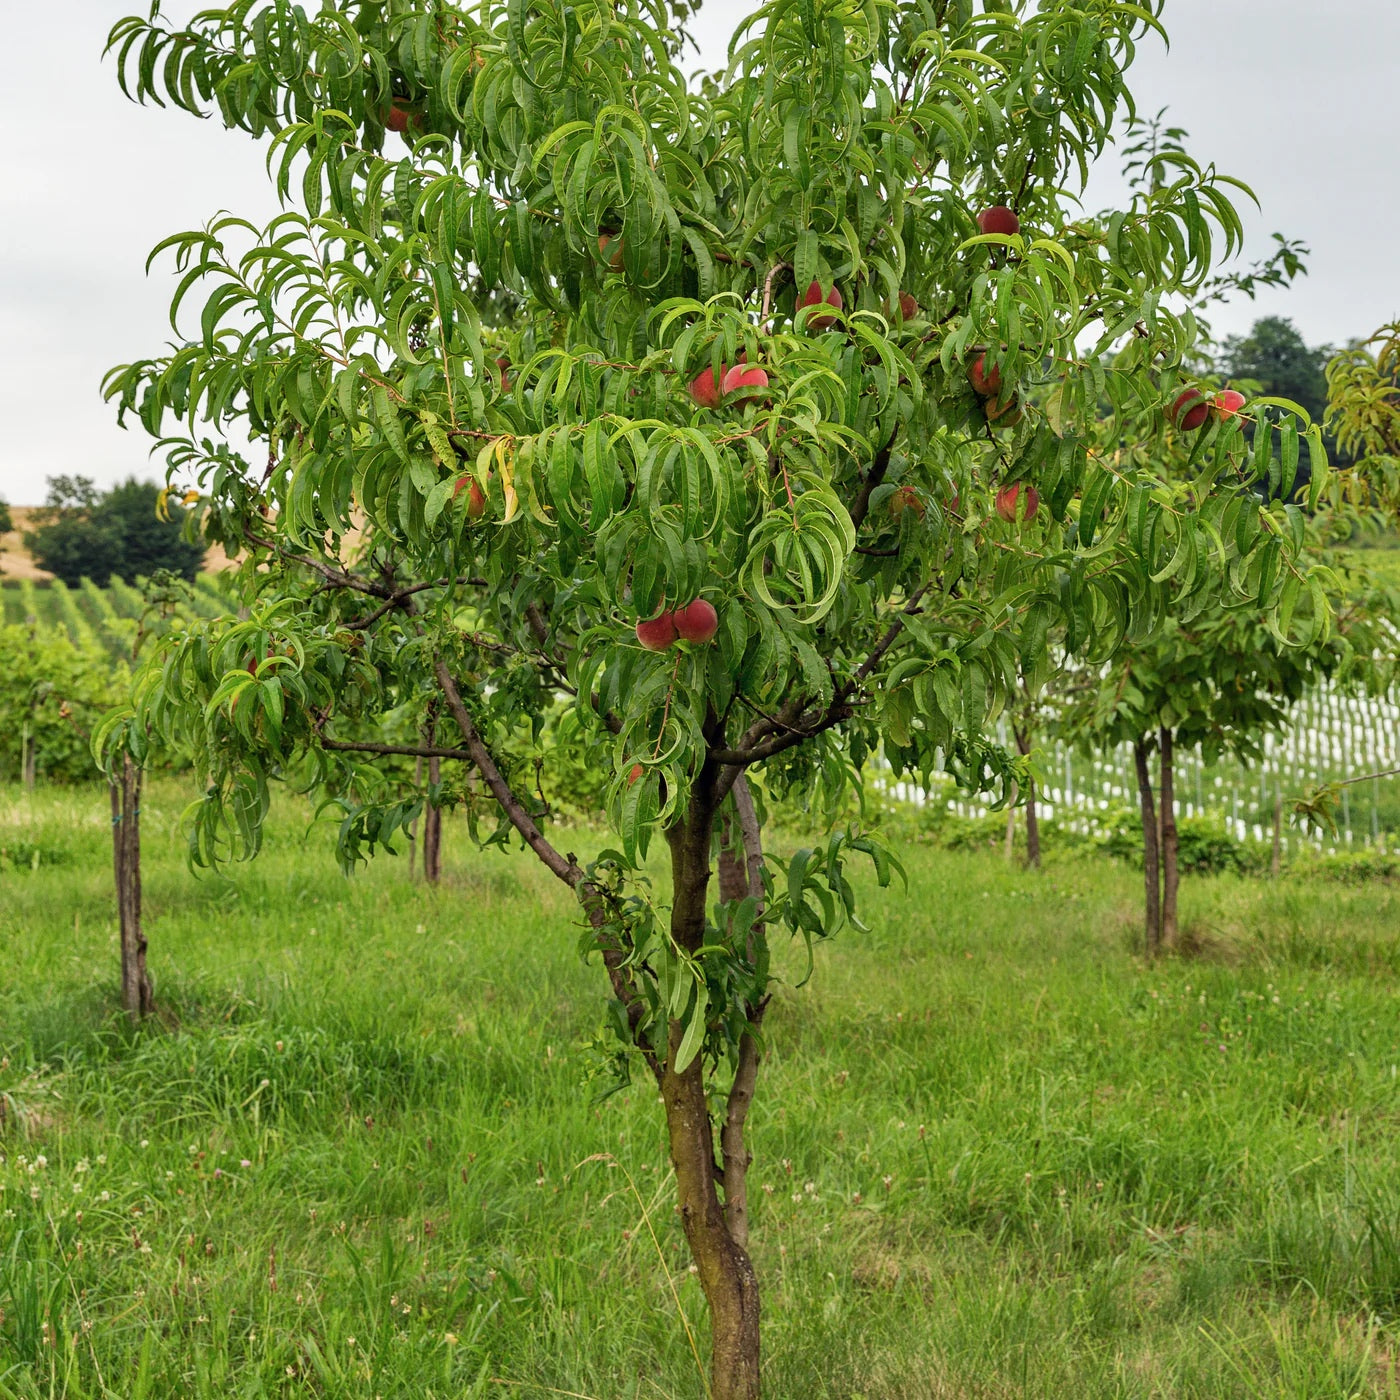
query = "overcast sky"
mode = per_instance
[{"x": 1292, "y": 96}]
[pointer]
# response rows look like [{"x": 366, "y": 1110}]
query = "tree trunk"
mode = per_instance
[
  {"x": 28, "y": 759},
  {"x": 725, "y": 1271},
  {"x": 432, "y": 830},
  {"x": 1151, "y": 872},
  {"x": 137, "y": 999},
  {"x": 1023, "y": 745},
  {"x": 1276, "y": 863},
  {"x": 1170, "y": 847},
  {"x": 413, "y": 825}
]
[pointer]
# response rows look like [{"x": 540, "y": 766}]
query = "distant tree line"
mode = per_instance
[{"x": 127, "y": 532}]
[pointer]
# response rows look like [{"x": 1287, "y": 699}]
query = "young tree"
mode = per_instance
[
  {"x": 690, "y": 409},
  {"x": 1220, "y": 681}
]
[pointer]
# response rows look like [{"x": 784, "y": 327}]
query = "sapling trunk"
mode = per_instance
[
  {"x": 722, "y": 1263},
  {"x": 125, "y": 793},
  {"x": 1170, "y": 845},
  {"x": 1023, "y": 745},
  {"x": 432, "y": 830},
  {"x": 1151, "y": 869}
]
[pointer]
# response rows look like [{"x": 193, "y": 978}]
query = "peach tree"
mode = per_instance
[{"x": 721, "y": 429}]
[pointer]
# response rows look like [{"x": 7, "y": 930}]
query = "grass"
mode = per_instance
[{"x": 996, "y": 1156}]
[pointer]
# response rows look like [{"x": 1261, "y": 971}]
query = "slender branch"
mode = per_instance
[
  {"x": 887, "y": 641},
  {"x": 396, "y": 599},
  {"x": 407, "y": 750},
  {"x": 768, "y": 284},
  {"x": 860, "y": 507},
  {"x": 594, "y": 903},
  {"x": 567, "y": 869},
  {"x": 1364, "y": 778}
]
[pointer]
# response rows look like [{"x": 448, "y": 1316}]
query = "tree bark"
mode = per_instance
[
  {"x": 432, "y": 813},
  {"x": 432, "y": 829},
  {"x": 725, "y": 1271},
  {"x": 722, "y": 1263},
  {"x": 1151, "y": 871},
  {"x": 741, "y": 875},
  {"x": 137, "y": 999},
  {"x": 1170, "y": 846},
  {"x": 1023, "y": 745},
  {"x": 28, "y": 759},
  {"x": 1276, "y": 862}
]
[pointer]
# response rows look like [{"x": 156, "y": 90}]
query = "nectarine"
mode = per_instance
[
  {"x": 1227, "y": 403},
  {"x": 696, "y": 622},
  {"x": 998, "y": 219},
  {"x": 658, "y": 633},
  {"x": 813, "y": 296}
]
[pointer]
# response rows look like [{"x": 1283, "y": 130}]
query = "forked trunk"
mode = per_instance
[
  {"x": 137, "y": 999},
  {"x": 1151, "y": 869},
  {"x": 1170, "y": 846},
  {"x": 715, "y": 1231},
  {"x": 725, "y": 1271}
]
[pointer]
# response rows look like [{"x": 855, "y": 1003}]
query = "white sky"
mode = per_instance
[{"x": 1292, "y": 96}]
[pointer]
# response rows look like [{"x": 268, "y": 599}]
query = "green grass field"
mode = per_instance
[{"x": 996, "y": 1156}]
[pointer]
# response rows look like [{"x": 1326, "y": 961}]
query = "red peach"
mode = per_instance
[
  {"x": 610, "y": 246},
  {"x": 1189, "y": 411},
  {"x": 658, "y": 633},
  {"x": 476, "y": 498},
  {"x": 744, "y": 377},
  {"x": 998, "y": 219},
  {"x": 696, "y": 622},
  {"x": 635, "y": 775},
  {"x": 1005, "y": 413},
  {"x": 983, "y": 383},
  {"x": 813, "y": 297},
  {"x": 1227, "y": 403},
  {"x": 707, "y": 388}
]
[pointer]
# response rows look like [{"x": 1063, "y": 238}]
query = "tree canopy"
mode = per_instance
[{"x": 755, "y": 427}]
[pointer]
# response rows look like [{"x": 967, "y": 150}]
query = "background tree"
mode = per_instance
[
  {"x": 1275, "y": 357},
  {"x": 690, "y": 410},
  {"x": 50, "y": 689},
  {"x": 7, "y": 520},
  {"x": 130, "y": 531}
]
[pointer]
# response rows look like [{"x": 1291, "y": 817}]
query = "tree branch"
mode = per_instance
[
  {"x": 406, "y": 750},
  {"x": 566, "y": 869},
  {"x": 397, "y": 597},
  {"x": 860, "y": 507}
]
